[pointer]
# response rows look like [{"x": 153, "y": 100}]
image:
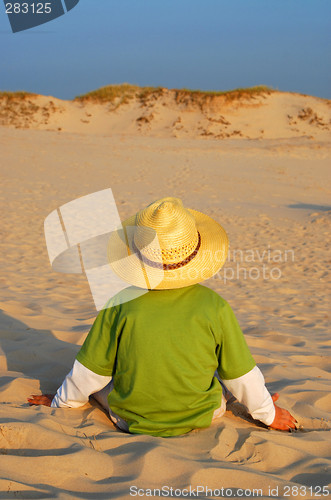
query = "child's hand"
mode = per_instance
[
  {"x": 283, "y": 420},
  {"x": 44, "y": 399}
]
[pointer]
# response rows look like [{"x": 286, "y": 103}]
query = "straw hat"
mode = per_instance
[{"x": 166, "y": 245}]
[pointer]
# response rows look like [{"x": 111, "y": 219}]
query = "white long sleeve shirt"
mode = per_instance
[
  {"x": 249, "y": 389},
  {"x": 77, "y": 387}
]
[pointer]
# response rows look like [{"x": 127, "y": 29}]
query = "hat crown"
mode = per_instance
[
  {"x": 167, "y": 246},
  {"x": 175, "y": 227}
]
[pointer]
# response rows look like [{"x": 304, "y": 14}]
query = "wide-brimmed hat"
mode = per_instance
[{"x": 166, "y": 246}]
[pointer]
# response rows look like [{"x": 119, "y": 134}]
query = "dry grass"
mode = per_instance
[
  {"x": 200, "y": 97},
  {"x": 110, "y": 93},
  {"x": 235, "y": 93},
  {"x": 125, "y": 92},
  {"x": 19, "y": 95}
]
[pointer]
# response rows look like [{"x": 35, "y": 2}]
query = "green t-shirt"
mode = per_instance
[{"x": 162, "y": 350}]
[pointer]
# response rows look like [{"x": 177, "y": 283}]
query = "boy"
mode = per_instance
[{"x": 151, "y": 359}]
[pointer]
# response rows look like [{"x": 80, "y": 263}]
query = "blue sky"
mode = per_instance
[{"x": 205, "y": 44}]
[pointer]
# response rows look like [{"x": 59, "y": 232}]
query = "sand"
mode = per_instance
[{"x": 272, "y": 195}]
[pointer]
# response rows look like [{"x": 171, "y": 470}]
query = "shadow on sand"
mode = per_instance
[
  {"x": 36, "y": 354},
  {"x": 307, "y": 206}
]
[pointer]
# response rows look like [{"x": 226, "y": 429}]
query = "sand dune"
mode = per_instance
[
  {"x": 175, "y": 113},
  {"x": 272, "y": 196}
]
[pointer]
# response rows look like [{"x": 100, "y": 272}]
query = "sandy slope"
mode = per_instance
[{"x": 271, "y": 195}]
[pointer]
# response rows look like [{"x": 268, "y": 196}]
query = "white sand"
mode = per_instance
[{"x": 269, "y": 194}]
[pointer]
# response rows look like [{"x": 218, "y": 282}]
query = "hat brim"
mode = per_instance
[{"x": 209, "y": 259}]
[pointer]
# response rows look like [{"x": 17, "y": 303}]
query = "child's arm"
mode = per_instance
[
  {"x": 239, "y": 373},
  {"x": 251, "y": 391},
  {"x": 78, "y": 385}
]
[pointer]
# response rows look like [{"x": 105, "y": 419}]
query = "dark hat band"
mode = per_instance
[{"x": 167, "y": 267}]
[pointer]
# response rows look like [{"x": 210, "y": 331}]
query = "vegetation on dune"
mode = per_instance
[
  {"x": 20, "y": 109},
  {"x": 125, "y": 92},
  {"x": 229, "y": 94},
  {"x": 20, "y": 94},
  {"x": 109, "y": 93},
  {"x": 202, "y": 98}
]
